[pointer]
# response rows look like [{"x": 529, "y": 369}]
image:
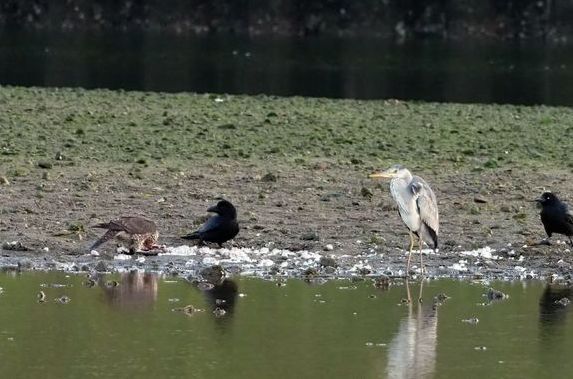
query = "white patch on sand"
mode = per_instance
[
  {"x": 122, "y": 257},
  {"x": 484, "y": 252}
]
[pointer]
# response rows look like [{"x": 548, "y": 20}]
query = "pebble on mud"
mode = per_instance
[
  {"x": 309, "y": 236},
  {"x": 480, "y": 199},
  {"x": 14, "y": 246},
  {"x": 4, "y": 181},
  {"x": 366, "y": 192},
  {"x": 327, "y": 262},
  {"x": 269, "y": 177},
  {"x": 101, "y": 266},
  {"x": 41, "y": 297},
  {"x": 45, "y": 164}
]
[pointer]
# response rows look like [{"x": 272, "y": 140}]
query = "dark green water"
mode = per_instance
[
  {"x": 346, "y": 67},
  {"x": 339, "y": 329}
]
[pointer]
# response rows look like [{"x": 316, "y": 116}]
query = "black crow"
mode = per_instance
[
  {"x": 555, "y": 216},
  {"x": 219, "y": 228}
]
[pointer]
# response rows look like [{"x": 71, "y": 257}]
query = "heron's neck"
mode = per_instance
[{"x": 404, "y": 179}]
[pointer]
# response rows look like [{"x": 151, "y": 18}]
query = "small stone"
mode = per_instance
[
  {"x": 366, "y": 192},
  {"x": 4, "y": 181},
  {"x": 382, "y": 282},
  {"x": 213, "y": 274},
  {"x": 440, "y": 298},
  {"x": 505, "y": 208},
  {"x": 473, "y": 320},
  {"x": 14, "y": 246},
  {"x": 219, "y": 312},
  {"x": 188, "y": 310},
  {"x": 205, "y": 286},
  {"x": 269, "y": 177},
  {"x": 62, "y": 299},
  {"x": 309, "y": 236},
  {"x": 327, "y": 262},
  {"x": 310, "y": 272},
  {"x": 493, "y": 294},
  {"x": 329, "y": 247},
  {"x": 101, "y": 266},
  {"x": 563, "y": 302},
  {"x": 480, "y": 199},
  {"x": 45, "y": 164},
  {"x": 41, "y": 297}
]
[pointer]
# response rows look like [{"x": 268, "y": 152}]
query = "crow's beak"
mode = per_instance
[
  {"x": 538, "y": 200},
  {"x": 213, "y": 209}
]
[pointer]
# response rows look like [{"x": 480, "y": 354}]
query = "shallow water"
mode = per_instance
[
  {"x": 348, "y": 67},
  {"x": 338, "y": 329}
]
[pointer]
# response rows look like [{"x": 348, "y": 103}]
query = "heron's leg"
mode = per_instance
[
  {"x": 422, "y": 270},
  {"x": 408, "y": 291},
  {"x": 410, "y": 253},
  {"x": 421, "y": 289}
]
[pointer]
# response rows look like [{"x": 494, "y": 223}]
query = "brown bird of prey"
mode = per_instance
[{"x": 138, "y": 233}]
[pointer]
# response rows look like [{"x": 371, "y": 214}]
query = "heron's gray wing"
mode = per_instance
[
  {"x": 426, "y": 202},
  {"x": 135, "y": 225},
  {"x": 402, "y": 195}
]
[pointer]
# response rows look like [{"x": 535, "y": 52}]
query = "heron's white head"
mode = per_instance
[{"x": 395, "y": 171}]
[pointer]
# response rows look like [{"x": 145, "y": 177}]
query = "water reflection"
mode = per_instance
[
  {"x": 134, "y": 291},
  {"x": 330, "y": 67},
  {"x": 412, "y": 352},
  {"x": 223, "y": 297},
  {"x": 552, "y": 309}
]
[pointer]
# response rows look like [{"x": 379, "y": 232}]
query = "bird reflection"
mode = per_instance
[
  {"x": 133, "y": 292},
  {"x": 553, "y": 305},
  {"x": 221, "y": 293},
  {"x": 412, "y": 352},
  {"x": 222, "y": 297}
]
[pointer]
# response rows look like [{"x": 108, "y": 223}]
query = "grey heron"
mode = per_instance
[{"x": 417, "y": 206}]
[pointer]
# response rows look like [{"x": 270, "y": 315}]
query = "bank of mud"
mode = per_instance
[{"x": 296, "y": 169}]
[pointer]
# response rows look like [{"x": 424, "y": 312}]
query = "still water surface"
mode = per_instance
[
  {"x": 336, "y": 330},
  {"x": 350, "y": 67}
]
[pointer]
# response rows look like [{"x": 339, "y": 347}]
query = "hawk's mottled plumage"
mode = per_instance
[{"x": 139, "y": 233}]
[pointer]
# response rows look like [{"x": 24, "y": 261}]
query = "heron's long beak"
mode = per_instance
[{"x": 380, "y": 175}]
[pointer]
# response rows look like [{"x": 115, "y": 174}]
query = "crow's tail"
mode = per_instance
[{"x": 191, "y": 236}]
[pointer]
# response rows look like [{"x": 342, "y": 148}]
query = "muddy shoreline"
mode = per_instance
[{"x": 296, "y": 169}]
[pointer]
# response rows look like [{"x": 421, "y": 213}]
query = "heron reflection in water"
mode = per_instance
[
  {"x": 412, "y": 352},
  {"x": 134, "y": 291}
]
